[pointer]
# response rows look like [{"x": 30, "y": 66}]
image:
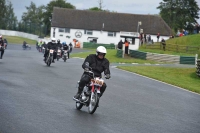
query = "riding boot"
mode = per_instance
[{"x": 78, "y": 93}]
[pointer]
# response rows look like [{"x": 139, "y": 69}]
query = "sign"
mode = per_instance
[
  {"x": 131, "y": 34},
  {"x": 78, "y": 34}
]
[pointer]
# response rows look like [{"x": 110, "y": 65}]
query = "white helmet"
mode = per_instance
[
  {"x": 53, "y": 40},
  {"x": 101, "y": 49}
]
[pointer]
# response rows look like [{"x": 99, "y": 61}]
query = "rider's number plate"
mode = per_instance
[{"x": 51, "y": 51}]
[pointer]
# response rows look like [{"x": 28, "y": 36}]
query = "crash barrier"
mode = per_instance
[
  {"x": 20, "y": 34},
  {"x": 119, "y": 53},
  {"x": 175, "y": 48},
  {"x": 95, "y": 45},
  {"x": 198, "y": 68},
  {"x": 163, "y": 57}
]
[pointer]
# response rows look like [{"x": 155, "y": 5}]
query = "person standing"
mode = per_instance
[
  {"x": 163, "y": 43},
  {"x": 120, "y": 44},
  {"x": 126, "y": 46},
  {"x": 158, "y": 36}
]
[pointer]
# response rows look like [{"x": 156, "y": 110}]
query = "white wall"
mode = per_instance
[
  {"x": 102, "y": 36},
  {"x": 20, "y": 34}
]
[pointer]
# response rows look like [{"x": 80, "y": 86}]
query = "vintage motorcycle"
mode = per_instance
[
  {"x": 26, "y": 46},
  {"x": 49, "y": 58},
  {"x": 43, "y": 49},
  {"x": 91, "y": 94},
  {"x": 58, "y": 54},
  {"x": 65, "y": 55}
]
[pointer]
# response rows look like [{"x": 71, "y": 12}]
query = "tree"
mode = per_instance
[
  {"x": 2, "y": 13},
  {"x": 47, "y": 15},
  {"x": 179, "y": 14},
  {"x": 34, "y": 14},
  {"x": 95, "y": 9},
  {"x": 10, "y": 19}
]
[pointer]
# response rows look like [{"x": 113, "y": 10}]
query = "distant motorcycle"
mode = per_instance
[
  {"x": 26, "y": 46},
  {"x": 91, "y": 94},
  {"x": 49, "y": 58},
  {"x": 65, "y": 55}
]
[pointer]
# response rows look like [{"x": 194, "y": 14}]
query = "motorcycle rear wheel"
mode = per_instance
[
  {"x": 93, "y": 106},
  {"x": 79, "y": 105}
]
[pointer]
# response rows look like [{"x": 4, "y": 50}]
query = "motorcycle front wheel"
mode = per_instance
[
  {"x": 65, "y": 58},
  {"x": 94, "y": 101},
  {"x": 79, "y": 105},
  {"x": 48, "y": 61}
]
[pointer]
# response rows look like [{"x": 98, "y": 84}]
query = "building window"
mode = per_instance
[
  {"x": 88, "y": 32},
  {"x": 66, "y": 30},
  {"x": 112, "y": 34},
  {"x": 61, "y": 30}
]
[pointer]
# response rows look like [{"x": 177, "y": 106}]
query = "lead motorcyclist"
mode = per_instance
[
  {"x": 2, "y": 46},
  {"x": 51, "y": 45},
  {"x": 99, "y": 64}
]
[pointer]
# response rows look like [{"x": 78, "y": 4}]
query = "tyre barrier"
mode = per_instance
[{"x": 198, "y": 68}]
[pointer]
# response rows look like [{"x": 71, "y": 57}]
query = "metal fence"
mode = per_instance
[{"x": 175, "y": 48}]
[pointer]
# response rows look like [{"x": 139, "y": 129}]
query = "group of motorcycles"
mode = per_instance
[{"x": 49, "y": 57}]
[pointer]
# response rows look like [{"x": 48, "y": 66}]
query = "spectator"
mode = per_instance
[
  {"x": 158, "y": 36},
  {"x": 163, "y": 43},
  {"x": 120, "y": 44},
  {"x": 126, "y": 46}
]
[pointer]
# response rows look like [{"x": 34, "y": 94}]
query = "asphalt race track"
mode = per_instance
[{"x": 35, "y": 98}]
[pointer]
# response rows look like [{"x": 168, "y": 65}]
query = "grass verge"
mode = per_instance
[
  {"x": 183, "y": 77},
  {"x": 18, "y": 40},
  {"x": 111, "y": 56}
]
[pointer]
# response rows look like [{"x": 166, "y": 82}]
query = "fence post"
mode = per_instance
[
  {"x": 196, "y": 58},
  {"x": 176, "y": 48}
]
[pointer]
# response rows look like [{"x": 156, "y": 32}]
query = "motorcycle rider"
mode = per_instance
[
  {"x": 5, "y": 41},
  {"x": 59, "y": 44},
  {"x": 2, "y": 46},
  {"x": 51, "y": 45},
  {"x": 70, "y": 45},
  {"x": 65, "y": 47},
  {"x": 99, "y": 64}
]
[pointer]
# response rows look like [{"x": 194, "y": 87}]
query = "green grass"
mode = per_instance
[
  {"x": 18, "y": 40},
  {"x": 192, "y": 40},
  {"x": 111, "y": 56},
  {"x": 182, "y": 77},
  {"x": 159, "y": 51}
]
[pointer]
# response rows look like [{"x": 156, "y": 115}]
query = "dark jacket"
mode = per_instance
[
  {"x": 65, "y": 47},
  {"x": 1, "y": 42},
  {"x": 98, "y": 65},
  {"x": 59, "y": 45},
  {"x": 53, "y": 46},
  {"x": 120, "y": 45}
]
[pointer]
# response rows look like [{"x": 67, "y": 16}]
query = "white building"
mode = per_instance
[{"x": 104, "y": 27}]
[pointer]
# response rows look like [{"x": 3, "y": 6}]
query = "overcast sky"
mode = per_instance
[{"x": 122, "y": 6}]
